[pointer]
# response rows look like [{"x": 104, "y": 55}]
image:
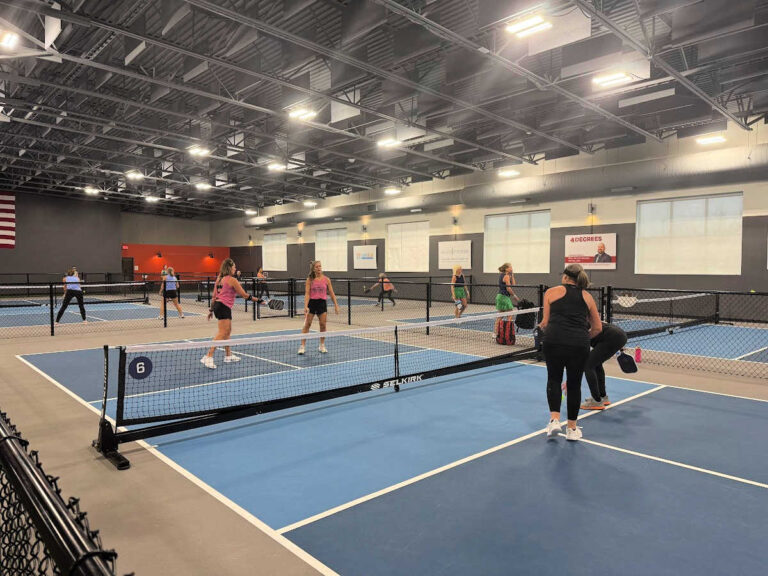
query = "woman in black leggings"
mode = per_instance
[
  {"x": 570, "y": 319},
  {"x": 604, "y": 345}
]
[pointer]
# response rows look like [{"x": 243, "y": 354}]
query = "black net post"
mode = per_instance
[
  {"x": 349, "y": 302},
  {"x": 51, "y": 307},
  {"x": 609, "y": 304}
]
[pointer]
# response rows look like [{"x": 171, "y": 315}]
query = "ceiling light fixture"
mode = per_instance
[
  {"x": 310, "y": 203},
  {"x": 392, "y": 191},
  {"x": 8, "y": 40},
  {"x": 707, "y": 140},
  {"x": 614, "y": 79},
  {"x": 250, "y": 212},
  {"x": 388, "y": 143},
  {"x": 527, "y": 26},
  {"x": 91, "y": 190},
  {"x": 338, "y": 219},
  {"x": 415, "y": 209},
  {"x": 276, "y": 167},
  {"x": 134, "y": 175},
  {"x": 302, "y": 114},
  {"x": 198, "y": 151},
  {"x": 152, "y": 199},
  {"x": 519, "y": 201},
  {"x": 203, "y": 186},
  {"x": 508, "y": 173}
]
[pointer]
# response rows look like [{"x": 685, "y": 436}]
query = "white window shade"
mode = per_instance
[
  {"x": 699, "y": 235},
  {"x": 522, "y": 239},
  {"x": 408, "y": 247},
  {"x": 331, "y": 249},
  {"x": 275, "y": 252}
]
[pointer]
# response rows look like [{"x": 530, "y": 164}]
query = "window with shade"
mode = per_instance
[
  {"x": 331, "y": 249},
  {"x": 408, "y": 247},
  {"x": 700, "y": 235},
  {"x": 274, "y": 252},
  {"x": 523, "y": 239}
]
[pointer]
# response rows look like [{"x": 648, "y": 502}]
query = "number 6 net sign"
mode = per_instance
[{"x": 140, "y": 367}]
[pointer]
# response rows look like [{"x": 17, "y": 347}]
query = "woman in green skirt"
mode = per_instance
[
  {"x": 506, "y": 293},
  {"x": 459, "y": 291}
]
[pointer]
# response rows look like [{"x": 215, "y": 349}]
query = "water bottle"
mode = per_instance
[{"x": 638, "y": 354}]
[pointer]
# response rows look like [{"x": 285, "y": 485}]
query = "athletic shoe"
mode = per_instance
[
  {"x": 573, "y": 434},
  {"x": 553, "y": 429},
  {"x": 606, "y": 401},
  {"x": 160, "y": 317},
  {"x": 231, "y": 358},
  {"x": 322, "y": 349},
  {"x": 182, "y": 316},
  {"x": 208, "y": 362},
  {"x": 301, "y": 349},
  {"x": 592, "y": 404}
]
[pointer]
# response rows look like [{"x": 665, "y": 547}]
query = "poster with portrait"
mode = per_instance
[
  {"x": 364, "y": 257},
  {"x": 450, "y": 254},
  {"x": 593, "y": 251}
]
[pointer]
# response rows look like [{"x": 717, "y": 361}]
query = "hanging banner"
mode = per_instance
[
  {"x": 450, "y": 254},
  {"x": 364, "y": 257},
  {"x": 593, "y": 251}
]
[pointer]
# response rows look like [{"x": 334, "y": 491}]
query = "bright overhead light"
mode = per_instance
[
  {"x": 203, "y": 186},
  {"x": 338, "y": 219},
  {"x": 508, "y": 173},
  {"x": 612, "y": 79},
  {"x": 276, "y": 167},
  {"x": 310, "y": 203},
  {"x": 302, "y": 114},
  {"x": 91, "y": 190},
  {"x": 415, "y": 209},
  {"x": 392, "y": 191},
  {"x": 388, "y": 143},
  {"x": 251, "y": 212},
  {"x": 9, "y": 40},
  {"x": 520, "y": 25},
  {"x": 152, "y": 199},
  {"x": 707, "y": 140},
  {"x": 540, "y": 28},
  {"x": 198, "y": 151},
  {"x": 519, "y": 201},
  {"x": 134, "y": 175}
]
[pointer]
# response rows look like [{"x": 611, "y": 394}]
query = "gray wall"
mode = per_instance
[
  {"x": 53, "y": 234},
  {"x": 754, "y": 256}
]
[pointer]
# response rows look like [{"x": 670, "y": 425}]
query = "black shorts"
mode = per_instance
[
  {"x": 171, "y": 294},
  {"x": 222, "y": 311},
  {"x": 318, "y": 306}
]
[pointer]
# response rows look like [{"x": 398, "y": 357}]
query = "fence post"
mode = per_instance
[
  {"x": 717, "y": 308},
  {"x": 609, "y": 304},
  {"x": 542, "y": 289},
  {"x": 50, "y": 305},
  {"x": 256, "y": 304},
  {"x": 429, "y": 302},
  {"x": 349, "y": 302},
  {"x": 208, "y": 289},
  {"x": 163, "y": 303}
]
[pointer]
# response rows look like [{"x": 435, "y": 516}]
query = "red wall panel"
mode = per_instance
[{"x": 182, "y": 258}]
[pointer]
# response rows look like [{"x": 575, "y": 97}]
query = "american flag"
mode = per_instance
[{"x": 7, "y": 220}]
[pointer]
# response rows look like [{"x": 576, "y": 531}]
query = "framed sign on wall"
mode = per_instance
[
  {"x": 364, "y": 257},
  {"x": 593, "y": 251}
]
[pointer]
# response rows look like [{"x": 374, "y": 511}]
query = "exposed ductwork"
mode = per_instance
[{"x": 715, "y": 168}]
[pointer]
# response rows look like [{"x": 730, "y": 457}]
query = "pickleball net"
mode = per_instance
[{"x": 166, "y": 388}]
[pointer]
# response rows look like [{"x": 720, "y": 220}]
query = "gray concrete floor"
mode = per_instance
[{"x": 160, "y": 521}]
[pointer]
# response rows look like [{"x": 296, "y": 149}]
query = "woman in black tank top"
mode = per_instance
[{"x": 570, "y": 320}]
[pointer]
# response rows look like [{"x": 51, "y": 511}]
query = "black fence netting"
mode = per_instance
[{"x": 40, "y": 532}]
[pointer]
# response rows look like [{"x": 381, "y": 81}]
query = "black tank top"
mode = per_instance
[
  {"x": 568, "y": 319},
  {"x": 502, "y": 285},
  {"x": 459, "y": 280}
]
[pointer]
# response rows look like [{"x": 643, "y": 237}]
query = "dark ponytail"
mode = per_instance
[{"x": 576, "y": 273}]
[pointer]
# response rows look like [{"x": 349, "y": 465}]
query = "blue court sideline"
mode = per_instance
[{"x": 531, "y": 507}]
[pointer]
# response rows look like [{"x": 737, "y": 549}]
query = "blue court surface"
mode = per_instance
[
  {"x": 454, "y": 475},
  {"x": 98, "y": 312}
]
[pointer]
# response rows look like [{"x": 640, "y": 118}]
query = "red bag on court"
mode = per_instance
[{"x": 506, "y": 335}]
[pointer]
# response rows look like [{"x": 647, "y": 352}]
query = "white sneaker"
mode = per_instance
[
  {"x": 208, "y": 362},
  {"x": 553, "y": 429},
  {"x": 573, "y": 434},
  {"x": 301, "y": 349},
  {"x": 160, "y": 317},
  {"x": 322, "y": 349},
  {"x": 231, "y": 358}
]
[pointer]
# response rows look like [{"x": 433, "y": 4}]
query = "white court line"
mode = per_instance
[
  {"x": 439, "y": 470},
  {"x": 247, "y": 516},
  {"x": 675, "y": 463},
  {"x": 750, "y": 353}
]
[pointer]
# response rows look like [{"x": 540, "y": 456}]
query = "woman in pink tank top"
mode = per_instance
[
  {"x": 221, "y": 307},
  {"x": 316, "y": 291}
]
